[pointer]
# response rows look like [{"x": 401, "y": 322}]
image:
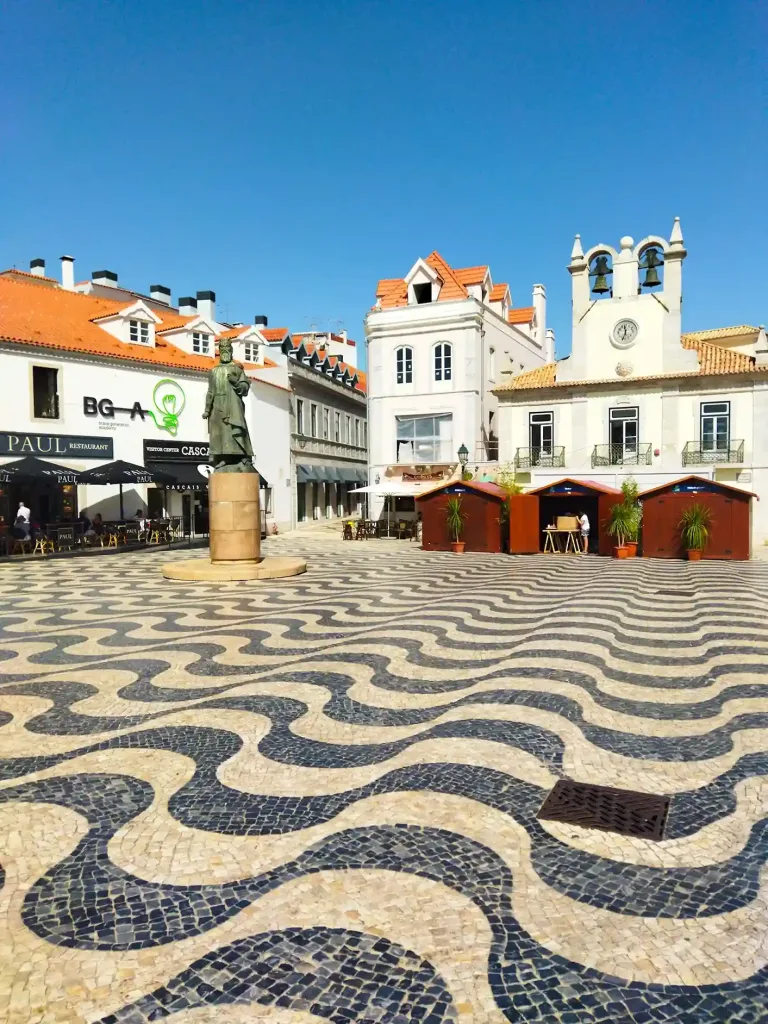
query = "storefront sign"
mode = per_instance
[
  {"x": 175, "y": 451},
  {"x": 70, "y": 445},
  {"x": 168, "y": 397},
  {"x": 422, "y": 476}
]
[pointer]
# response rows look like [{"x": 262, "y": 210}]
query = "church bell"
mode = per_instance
[
  {"x": 600, "y": 274},
  {"x": 650, "y": 263}
]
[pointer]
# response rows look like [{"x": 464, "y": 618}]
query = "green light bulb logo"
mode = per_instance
[{"x": 169, "y": 400}]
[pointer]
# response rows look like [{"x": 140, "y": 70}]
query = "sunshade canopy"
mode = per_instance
[
  {"x": 121, "y": 472},
  {"x": 30, "y": 470}
]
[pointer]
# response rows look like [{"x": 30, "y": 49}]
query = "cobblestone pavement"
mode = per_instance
[{"x": 315, "y": 799}]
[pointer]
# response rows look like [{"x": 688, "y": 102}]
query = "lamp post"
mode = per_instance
[{"x": 463, "y": 454}]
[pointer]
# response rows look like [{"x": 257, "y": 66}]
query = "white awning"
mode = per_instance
[{"x": 396, "y": 490}]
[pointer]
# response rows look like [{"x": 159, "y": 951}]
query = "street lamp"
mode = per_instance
[{"x": 463, "y": 454}]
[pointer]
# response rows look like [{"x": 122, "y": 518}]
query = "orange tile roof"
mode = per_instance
[
  {"x": 471, "y": 275},
  {"x": 714, "y": 360},
  {"x": 722, "y": 332},
  {"x": 452, "y": 286},
  {"x": 498, "y": 292},
  {"x": 13, "y": 271},
  {"x": 274, "y": 333},
  {"x": 310, "y": 347},
  {"x": 64, "y": 320},
  {"x": 524, "y": 315}
]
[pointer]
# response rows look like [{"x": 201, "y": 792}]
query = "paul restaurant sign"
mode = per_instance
[
  {"x": 168, "y": 398},
  {"x": 70, "y": 445}
]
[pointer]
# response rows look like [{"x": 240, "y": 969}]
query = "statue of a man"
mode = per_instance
[{"x": 230, "y": 444}]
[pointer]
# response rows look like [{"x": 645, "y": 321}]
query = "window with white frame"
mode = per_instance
[
  {"x": 201, "y": 343},
  {"x": 715, "y": 426},
  {"x": 139, "y": 331},
  {"x": 251, "y": 351},
  {"x": 425, "y": 439},
  {"x": 404, "y": 364},
  {"x": 443, "y": 361}
]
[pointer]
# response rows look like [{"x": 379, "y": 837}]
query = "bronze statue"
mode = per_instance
[{"x": 230, "y": 443}]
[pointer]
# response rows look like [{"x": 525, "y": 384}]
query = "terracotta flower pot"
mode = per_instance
[
  {"x": 457, "y": 546},
  {"x": 632, "y": 549},
  {"x": 622, "y": 552},
  {"x": 694, "y": 554}
]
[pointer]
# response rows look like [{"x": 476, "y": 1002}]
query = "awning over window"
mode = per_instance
[
  {"x": 330, "y": 474},
  {"x": 306, "y": 474},
  {"x": 186, "y": 476}
]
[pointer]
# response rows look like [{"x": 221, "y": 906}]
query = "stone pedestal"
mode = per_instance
[
  {"x": 235, "y": 537},
  {"x": 235, "y": 527}
]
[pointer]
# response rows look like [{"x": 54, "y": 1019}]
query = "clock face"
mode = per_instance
[{"x": 624, "y": 333}]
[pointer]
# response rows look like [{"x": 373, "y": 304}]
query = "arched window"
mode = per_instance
[
  {"x": 404, "y": 357},
  {"x": 443, "y": 361}
]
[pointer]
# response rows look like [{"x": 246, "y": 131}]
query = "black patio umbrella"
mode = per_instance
[
  {"x": 31, "y": 470},
  {"x": 120, "y": 472}
]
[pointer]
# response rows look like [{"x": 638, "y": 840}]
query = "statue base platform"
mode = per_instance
[
  {"x": 203, "y": 570},
  {"x": 235, "y": 537}
]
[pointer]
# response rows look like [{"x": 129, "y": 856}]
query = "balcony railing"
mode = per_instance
[
  {"x": 621, "y": 455},
  {"x": 547, "y": 458},
  {"x": 695, "y": 455},
  {"x": 324, "y": 446}
]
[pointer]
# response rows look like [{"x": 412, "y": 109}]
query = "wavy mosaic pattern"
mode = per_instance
[{"x": 316, "y": 799}]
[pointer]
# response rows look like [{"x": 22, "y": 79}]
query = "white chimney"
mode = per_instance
[
  {"x": 159, "y": 293},
  {"x": 188, "y": 306},
  {"x": 105, "y": 278},
  {"x": 37, "y": 267},
  {"x": 549, "y": 347},
  {"x": 206, "y": 306},
  {"x": 761, "y": 348},
  {"x": 68, "y": 273},
  {"x": 540, "y": 306}
]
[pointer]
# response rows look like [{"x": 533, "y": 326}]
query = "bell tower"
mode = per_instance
[{"x": 626, "y": 310}]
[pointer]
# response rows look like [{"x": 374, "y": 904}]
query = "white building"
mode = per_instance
[
  {"x": 94, "y": 372},
  {"x": 636, "y": 396},
  {"x": 439, "y": 340}
]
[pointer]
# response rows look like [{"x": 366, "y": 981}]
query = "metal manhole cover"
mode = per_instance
[{"x": 612, "y": 810}]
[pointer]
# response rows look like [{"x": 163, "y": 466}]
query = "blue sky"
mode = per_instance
[{"x": 287, "y": 155}]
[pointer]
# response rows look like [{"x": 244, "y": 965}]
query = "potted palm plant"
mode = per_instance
[
  {"x": 634, "y": 519},
  {"x": 694, "y": 530},
  {"x": 620, "y": 526},
  {"x": 454, "y": 519}
]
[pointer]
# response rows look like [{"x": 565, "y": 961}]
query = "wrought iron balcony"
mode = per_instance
[
  {"x": 694, "y": 455},
  {"x": 552, "y": 457},
  {"x": 621, "y": 455}
]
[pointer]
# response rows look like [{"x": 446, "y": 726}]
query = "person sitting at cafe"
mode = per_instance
[
  {"x": 20, "y": 529},
  {"x": 96, "y": 528},
  {"x": 83, "y": 522}
]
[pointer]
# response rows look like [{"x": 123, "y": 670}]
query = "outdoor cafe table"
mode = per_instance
[{"x": 560, "y": 542}]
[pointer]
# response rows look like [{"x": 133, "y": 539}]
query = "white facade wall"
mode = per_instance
[
  {"x": 473, "y": 331},
  {"x": 267, "y": 410}
]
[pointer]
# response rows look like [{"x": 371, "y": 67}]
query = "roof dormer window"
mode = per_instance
[
  {"x": 139, "y": 331},
  {"x": 251, "y": 351},
  {"x": 201, "y": 343},
  {"x": 422, "y": 293}
]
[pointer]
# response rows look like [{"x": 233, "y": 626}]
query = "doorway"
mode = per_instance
[
  {"x": 540, "y": 435},
  {"x": 552, "y": 506}
]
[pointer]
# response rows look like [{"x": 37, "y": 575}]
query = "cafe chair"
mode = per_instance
[
  {"x": 20, "y": 545},
  {"x": 43, "y": 544}
]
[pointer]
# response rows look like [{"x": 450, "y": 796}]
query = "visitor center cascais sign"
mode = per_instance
[
  {"x": 70, "y": 445},
  {"x": 168, "y": 398}
]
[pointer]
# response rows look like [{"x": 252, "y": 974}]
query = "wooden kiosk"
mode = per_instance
[{"x": 481, "y": 503}]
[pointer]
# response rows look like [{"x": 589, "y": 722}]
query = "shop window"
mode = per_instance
[
  {"x": 405, "y": 504},
  {"x": 201, "y": 343},
  {"x": 425, "y": 439},
  {"x": 443, "y": 361},
  {"x": 45, "y": 392},
  {"x": 404, "y": 363},
  {"x": 139, "y": 331}
]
